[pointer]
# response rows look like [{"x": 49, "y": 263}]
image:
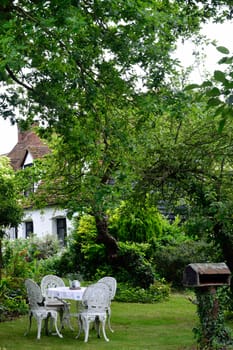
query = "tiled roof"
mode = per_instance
[{"x": 28, "y": 141}]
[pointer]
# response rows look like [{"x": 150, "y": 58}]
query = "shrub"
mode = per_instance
[
  {"x": 23, "y": 258},
  {"x": 86, "y": 257},
  {"x": 82, "y": 255},
  {"x": 12, "y": 298},
  {"x": 170, "y": 260},
  {"x": 31, "y": 248},
  {"x": 135, "y": 223},
  {"x": 134, "y": 267},
  {"x": 158, "y": 291},
  {"x": 43, "y": 248}
]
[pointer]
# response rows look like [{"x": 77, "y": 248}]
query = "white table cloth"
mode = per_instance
[{"x": 66, "y": 293}]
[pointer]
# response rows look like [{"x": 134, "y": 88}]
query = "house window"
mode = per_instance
[
  {"x": 28, "y": 228},
  {"x": 16, "y": 232},
  {"x": 61, "y": 230}
]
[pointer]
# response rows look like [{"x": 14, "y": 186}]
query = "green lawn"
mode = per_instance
[{"x": 163, "y": 326}]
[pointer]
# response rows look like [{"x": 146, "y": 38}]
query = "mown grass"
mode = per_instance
[{"x": 163, "y": 326}]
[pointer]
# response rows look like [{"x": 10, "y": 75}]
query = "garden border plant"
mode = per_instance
[{"x": 34, "y": 257}]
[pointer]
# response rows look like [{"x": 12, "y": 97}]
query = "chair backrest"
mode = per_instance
[
  {"x": 34, "y": 294},
  {"x": 50, "y": 281},
  {"x": 111, "y": 283},
  {"x": 96, "y": 298}
]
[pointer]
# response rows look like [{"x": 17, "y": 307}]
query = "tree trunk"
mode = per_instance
[{"x": 104, "y": 236}]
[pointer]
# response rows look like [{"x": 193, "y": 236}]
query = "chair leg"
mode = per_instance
[
  {"x": 66, "y": 318},
  {"x": 53, "y": 316},
  {"x": 103, "y": 329},
  {"x": 109, "y": 320},
  {"x": 87, "y": 331},
  {"x": 39, "y": 322},
  {"x": 80, "y": 327},
  {"x": 57, "y": 330},
  {"x": 86, "y": 326}
]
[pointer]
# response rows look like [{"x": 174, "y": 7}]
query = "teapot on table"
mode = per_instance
[{"x": 74, "y": 284}]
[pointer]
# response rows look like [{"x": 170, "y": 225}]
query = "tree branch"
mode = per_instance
[{"x": 14, "y": 77}]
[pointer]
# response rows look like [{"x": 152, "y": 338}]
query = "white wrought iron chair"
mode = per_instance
[
  {"x": 52, "y": 281},
  {"x": 37, "y": 308},
  {"x": 95, "y": 301},
  {"x": 112, "y": 284}
]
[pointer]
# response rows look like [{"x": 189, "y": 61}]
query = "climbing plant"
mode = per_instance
[{"x": 211, "y": 334}]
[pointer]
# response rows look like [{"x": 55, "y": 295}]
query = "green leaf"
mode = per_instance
[
  {"x": 229, "y": 85},
  {"x": 228, "y": 112},
  {"x": 223, "y": 49},
  {"x": 213, "y": 92},
  {"x": 224, "y": 111},
  {"x": 220, "y": 76},
  {"x": 221, "y": 125},
  {"x": 226, "y": 60},
  {"x": 206, "y": 83},
  {"x": 214, "y": 102},
  {"x": 191, "y": 87},
  {"x": 219, "y": 111}
]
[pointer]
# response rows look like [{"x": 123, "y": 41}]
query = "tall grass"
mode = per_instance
[{"x": 163, "y": 326}]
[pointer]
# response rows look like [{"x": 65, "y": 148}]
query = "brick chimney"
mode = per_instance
[{"x": 25, "y": 134}]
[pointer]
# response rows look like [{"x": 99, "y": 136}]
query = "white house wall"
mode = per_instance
[{"x": 44, "y": 222}]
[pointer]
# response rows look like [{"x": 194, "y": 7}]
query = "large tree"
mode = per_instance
[
  {"x": 10, "y": 208},
  {"x": 189, "y": 165},
  {"x": 80, "y": 67}
]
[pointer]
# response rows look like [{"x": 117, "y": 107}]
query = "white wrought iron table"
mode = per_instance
[
  {"x": 62, "y": 293},
  {"x": 66, "y": 293}
]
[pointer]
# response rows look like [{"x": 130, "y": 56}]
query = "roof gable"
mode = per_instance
[
  {"x": 28, "y": 160},
  {"x": 28, "y": 145}
]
